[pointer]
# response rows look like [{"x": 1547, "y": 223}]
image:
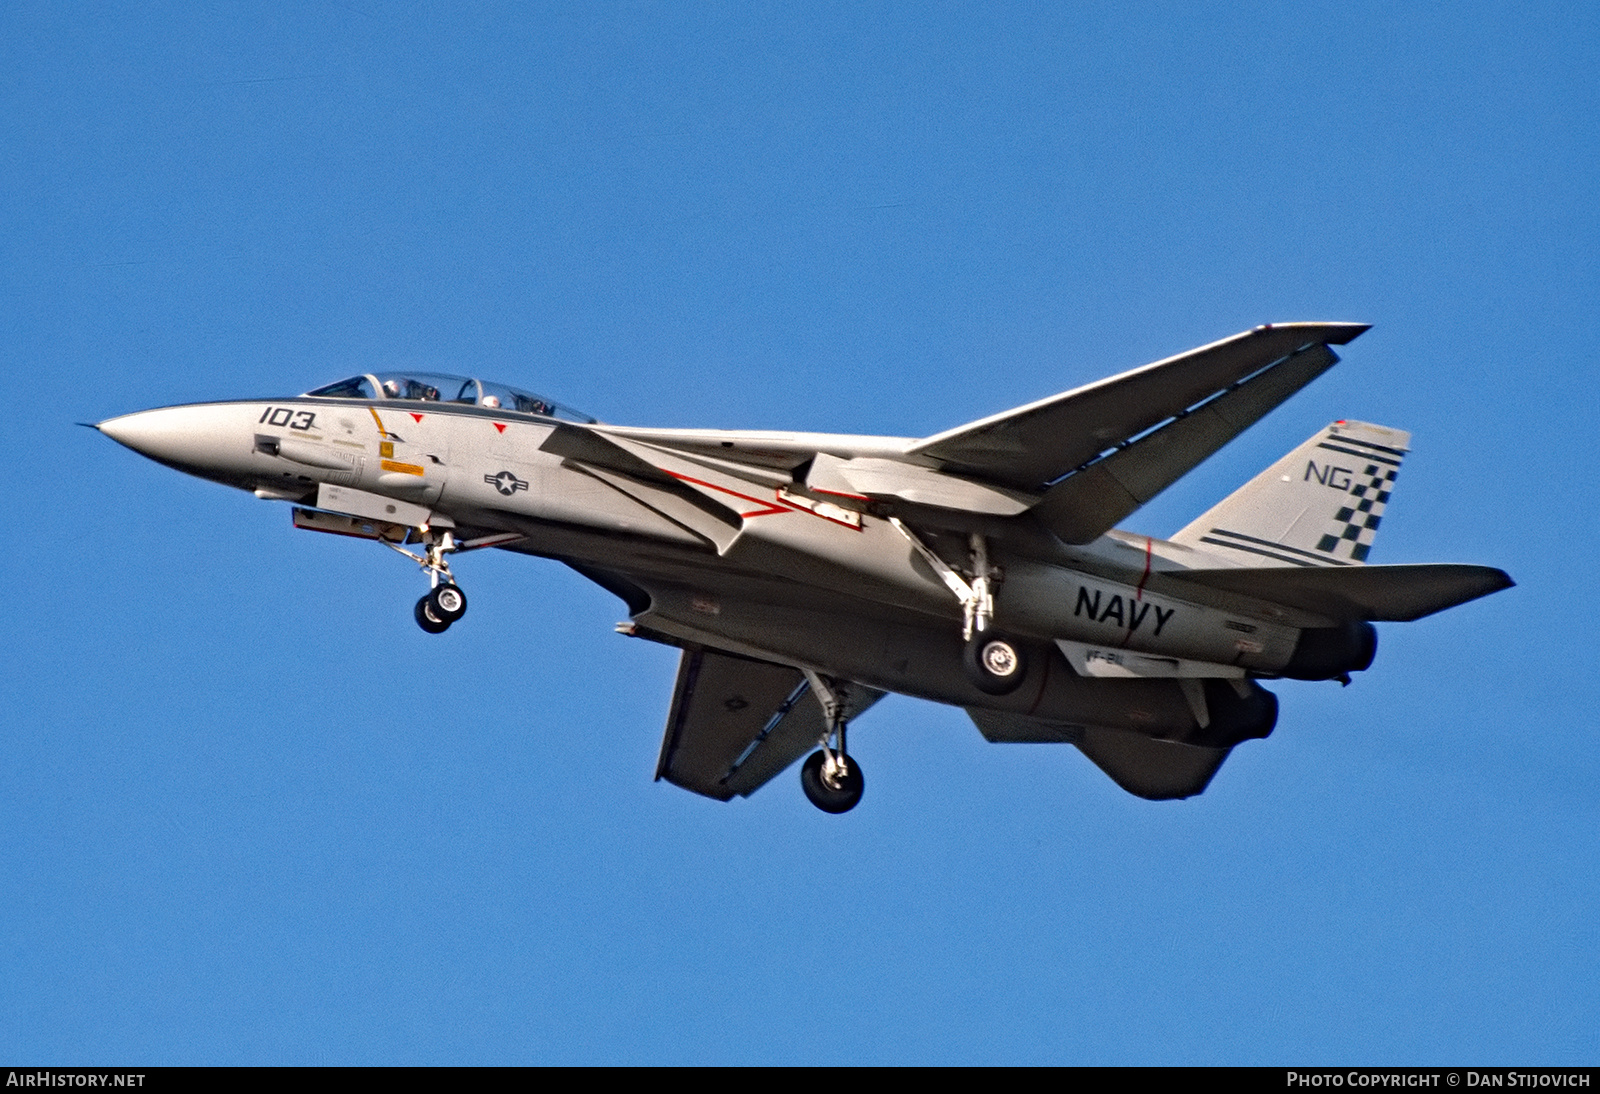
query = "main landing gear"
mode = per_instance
[
  {"x": 995, "y": 663},
  {"x": 831, "y": 779},
  {"x": 445, "y": 602}
]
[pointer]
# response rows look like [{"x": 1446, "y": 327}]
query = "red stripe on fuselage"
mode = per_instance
[
  {"x": 768, "y": 509},
  {"x": 1139, "y": 593}
]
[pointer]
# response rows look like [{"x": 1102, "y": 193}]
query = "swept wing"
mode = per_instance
[
  {"x": 1080, "y": 461},
  {"x": 1034, "y": 445}
]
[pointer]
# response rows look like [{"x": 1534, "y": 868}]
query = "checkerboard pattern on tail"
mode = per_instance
[
  {"x": 1355, "y": 525},
  {"x": 1318, "y": 506}
]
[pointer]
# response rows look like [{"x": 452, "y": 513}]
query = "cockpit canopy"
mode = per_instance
[{"x": 439, "y": 388}]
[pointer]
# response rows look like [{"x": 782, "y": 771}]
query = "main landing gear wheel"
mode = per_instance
[
  {"x": 447, "y": 602},
  {"x": 832, "y": 791},
  {"x": 994, "y": 663},
  {"x": 427, "y": 619}
]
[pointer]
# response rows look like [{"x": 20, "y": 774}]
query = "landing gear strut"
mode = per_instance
[
  {"x": 994, "y": 662},
  {"x": 831, "y": 779},
  {"x": 445, "y": 602}
]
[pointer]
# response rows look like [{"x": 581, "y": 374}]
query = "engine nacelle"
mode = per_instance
[
  {"x": 1235, "y": 717},
  {"x": 1327, "y": 653}
]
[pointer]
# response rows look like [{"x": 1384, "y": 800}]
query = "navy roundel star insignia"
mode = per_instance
[{"x": 506, "y": 483}]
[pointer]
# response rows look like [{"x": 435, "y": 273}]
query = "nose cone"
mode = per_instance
[
  {"x": 167, "y": 435},
  {"x": 203, "y": 440}
]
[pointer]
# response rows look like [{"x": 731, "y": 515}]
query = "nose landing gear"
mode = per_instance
[{"x": 445, "y": 602}]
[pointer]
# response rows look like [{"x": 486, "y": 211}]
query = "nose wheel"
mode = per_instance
[
  {"x": 445, "y": 602},
  {"x": 443, "y": 605}
]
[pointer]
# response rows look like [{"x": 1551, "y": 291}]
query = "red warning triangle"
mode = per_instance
[
  {"x": 500, "y": 426},
  {"x": 418, "y": 417}
]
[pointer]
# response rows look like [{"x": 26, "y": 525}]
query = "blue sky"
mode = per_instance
[{"x": 252, "y": 814}]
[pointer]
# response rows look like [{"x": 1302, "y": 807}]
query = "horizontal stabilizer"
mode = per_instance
[
  {"x": 1003, "y": 727},
  {"x": 1143, "y": 766},
  {"x": 1378, "y": 594},
  {"x": 1033, "y": 445},
  {"x": 1151, "y": 769}
]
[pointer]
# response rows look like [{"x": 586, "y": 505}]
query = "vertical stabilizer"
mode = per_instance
[{"x": 1318, "y": 506}]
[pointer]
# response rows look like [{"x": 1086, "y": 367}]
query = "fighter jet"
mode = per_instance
[{"x": 802, "y": 576}]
